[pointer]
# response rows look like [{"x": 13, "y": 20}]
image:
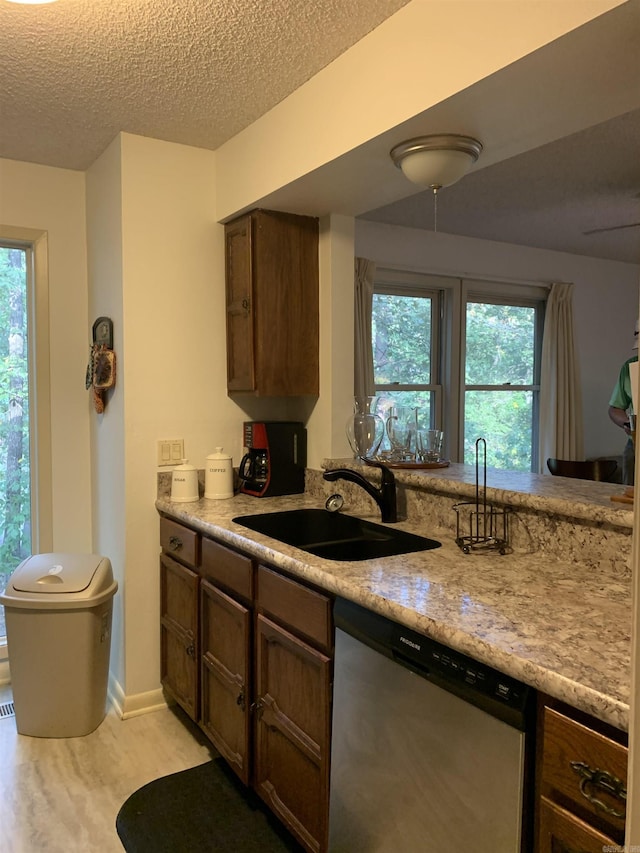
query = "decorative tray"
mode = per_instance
[{"x": 413, "y": 466}]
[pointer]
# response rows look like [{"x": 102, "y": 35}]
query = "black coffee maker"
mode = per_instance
[{"x": 276, "y": 458}]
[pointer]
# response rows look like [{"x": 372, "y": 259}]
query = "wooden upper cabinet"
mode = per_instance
[{"x": 272, "y": 304}]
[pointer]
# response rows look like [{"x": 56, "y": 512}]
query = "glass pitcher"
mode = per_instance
[{"x": 365, "y": 428}]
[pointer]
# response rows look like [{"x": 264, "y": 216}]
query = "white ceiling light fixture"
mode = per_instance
[{"x": 436, "y": 161}]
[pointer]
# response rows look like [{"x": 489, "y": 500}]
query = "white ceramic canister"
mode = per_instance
[
  {"x": 184, "y": 483},
  {"x": 218, "y": 476}
]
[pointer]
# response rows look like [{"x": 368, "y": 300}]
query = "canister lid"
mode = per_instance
[{"x": 218, "y": 454}]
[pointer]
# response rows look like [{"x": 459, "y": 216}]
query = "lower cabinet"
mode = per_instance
[
  {"x": 226, "y": 676},
  {"x": 247, "y": 652},
  {"x": 292, "y": 737},
  {"x": 179, "y": 621},
  {"x": 581, "y": 781}
]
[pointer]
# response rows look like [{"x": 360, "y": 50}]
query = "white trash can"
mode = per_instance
[{"x": 58, "y": 611}]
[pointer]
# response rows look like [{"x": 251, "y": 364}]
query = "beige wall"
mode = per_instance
[
  {"x": 158, "y": 270},
  {"x": 105, "y": 276},
  {"x": 326, "y": 433},
  {"x": 53, "y": 201},
  {"x": 173, "y": 299}
]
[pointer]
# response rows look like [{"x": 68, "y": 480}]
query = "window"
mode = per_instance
[
  {"x": 468, "y": 354},
  {"x": 15, "y": 480},
  {"x": 25, "y": 444},
  {"x": 405, "y": 348}
]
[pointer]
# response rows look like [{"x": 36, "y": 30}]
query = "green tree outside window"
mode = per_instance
[{"x": 15, "y": 501}]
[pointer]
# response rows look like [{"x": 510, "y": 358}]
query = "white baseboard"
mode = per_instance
[
  {"x": 125, "y": 706},
  {"x": 137, "y": 704}
]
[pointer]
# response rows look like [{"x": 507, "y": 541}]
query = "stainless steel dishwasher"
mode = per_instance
[{"x": 429, "y": 748}]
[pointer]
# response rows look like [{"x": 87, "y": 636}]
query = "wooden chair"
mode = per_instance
[{"x": 593, "y": 469}]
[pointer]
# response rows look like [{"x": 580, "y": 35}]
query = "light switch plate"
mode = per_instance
[{"x": 170, "y": 451}]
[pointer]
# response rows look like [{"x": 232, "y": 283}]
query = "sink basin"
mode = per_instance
[{"x": 335, "y": 536}]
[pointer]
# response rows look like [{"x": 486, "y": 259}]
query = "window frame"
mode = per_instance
[
  {"x": 407, "y": 284},
  {"x": 448, "y": 356},
  {"x": 35, "y": 244},
  {"x": 525, "y": 296}
]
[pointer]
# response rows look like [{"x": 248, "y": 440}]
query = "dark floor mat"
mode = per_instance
[{"x": 203, "y": 809}]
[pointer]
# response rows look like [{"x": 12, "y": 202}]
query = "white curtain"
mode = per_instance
[
  {"x": 561, "y": 427},
  {"x": 363, "y": 384}
]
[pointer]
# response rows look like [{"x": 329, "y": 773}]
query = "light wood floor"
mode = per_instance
[{"x": 62, "y": 795}]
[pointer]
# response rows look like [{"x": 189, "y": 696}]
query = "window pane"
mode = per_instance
[
  {"x": 422, "y": 400},
  {"x": 500, "y": 344},
  {"x": 401, "y": 332},
  {"x": 15, "y": 487},
  {"x": 504, "y": 420}
]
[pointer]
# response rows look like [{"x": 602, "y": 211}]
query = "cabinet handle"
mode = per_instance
[
  {"x": 245, "y": 304},
  {"x": 240, "y": 700},
  {"x": 175, "y": 543},
  {"x": 600, "y": 779},
  {"x": 258, "y": 707},
  {"x": 191, "y": 650}
]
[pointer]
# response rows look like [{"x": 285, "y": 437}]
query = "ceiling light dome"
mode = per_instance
[{"x": 438, "y": 160}]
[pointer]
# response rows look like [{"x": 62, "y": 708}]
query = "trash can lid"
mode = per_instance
[{"x": 59, "y": 573}]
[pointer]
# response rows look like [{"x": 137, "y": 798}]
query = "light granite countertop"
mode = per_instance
[{"x": 557, "y": 624}]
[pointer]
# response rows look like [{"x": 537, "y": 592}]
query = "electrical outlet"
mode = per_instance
[{"x": 170, "y": 451}]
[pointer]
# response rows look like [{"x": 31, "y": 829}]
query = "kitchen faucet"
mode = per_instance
[{"x": 385, "y": 496}]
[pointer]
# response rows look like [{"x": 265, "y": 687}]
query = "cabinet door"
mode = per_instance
[
  {"x": 293, "y": 684},
  {"x": 240, "y": 308},
  {"x": 225, "y": 643},
  {"x": 286, "y": 310},
  {"x": 179, "y": 633},
  {"x": 563, "y": 832}
]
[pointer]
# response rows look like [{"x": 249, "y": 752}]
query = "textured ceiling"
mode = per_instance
[{"x": 75, "y": 73}]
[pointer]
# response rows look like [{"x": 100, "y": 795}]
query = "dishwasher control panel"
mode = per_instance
[
  {"x": 459, "y": 667},
  {"x": 478, "y": 683}
]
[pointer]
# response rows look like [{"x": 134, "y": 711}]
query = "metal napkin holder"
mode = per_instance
[{"x": 487, "y": 525}]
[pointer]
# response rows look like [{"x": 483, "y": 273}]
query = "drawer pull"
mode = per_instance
[
  {"x": 191, "y": 650},
  {"x": 175, "y": 543},
  {"x": 600, "y": 779}
]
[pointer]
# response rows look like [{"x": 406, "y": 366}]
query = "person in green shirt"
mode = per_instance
[{"x": 620, "y": 406}]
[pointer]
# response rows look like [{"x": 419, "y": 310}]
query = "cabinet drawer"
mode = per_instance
[
  {"x": 563, "y": 832},
  {"x": 179, "y": 541},
  {"x": 305, "y": 611},
  {"x": 231, "y": 570},
  {"x": 586, "y": 769}
]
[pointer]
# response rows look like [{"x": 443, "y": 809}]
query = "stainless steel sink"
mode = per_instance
[{"x": 335, "y": 536}]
